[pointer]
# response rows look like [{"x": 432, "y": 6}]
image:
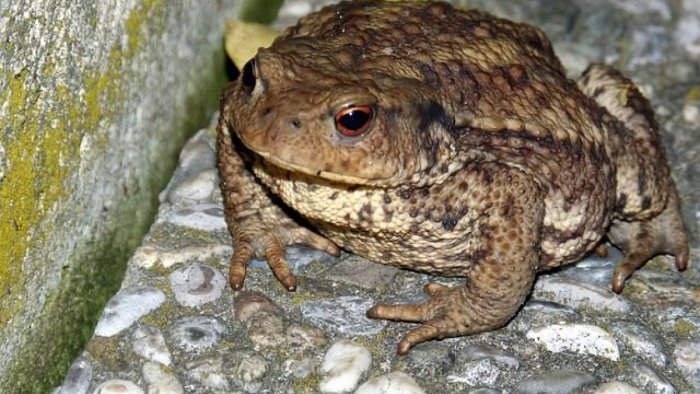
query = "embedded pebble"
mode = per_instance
[
  {"x": 197, "y": 284},
  {"x": 147, "y": 256},
  {"x": 617, "y": 388},
  {"x": 343, "y": 365},
  {"x": 299, "y": 369},
  {"x": 78, "y": 378},
  {"x": 430, "y": 358},
  {"x": 148, "y": 342},
  {"x": 126, "y": 307},
  {"x": 641, "y": 341},
  {"x": 266, "y": 329},
  {"x": 651, "y": 380},
  {"x": 593, "y": 269},
  {"x": 301, "y": 338},
  {"x": 204, "y": 217},
  {"x": 392, "y": 383},
  {"x": 480, "y": 365},
  {"x": 247, "y": 304},
  {"x": 250, "y": 369},
  {"x": 118, "y": 386},
  {"x": 298, "y": 258},
  {"x": 687, "y": 357},
  {"x": 577, "y": 294},
  {"x": 563, "y": 381},
  {"x": 197, "y": 154},
  {"x": 483, "y": 372},
  {"x": 197, "y": 332},
  {"x": 160, "y": 381},
  {"x": 344, "y": 315},
  {"x": 691, "y": 112},
  {"x": 577, "y": 338},
  {"x": 197, "y": 187},
  {"x": 482, "y": 351},
  {"x": 209, "y": 372},
  {"x": 359, "y": 271},
  {"x": 483, "y": 390}
]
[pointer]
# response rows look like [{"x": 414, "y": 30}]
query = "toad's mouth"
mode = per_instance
[{"x": 324, "y": 174}]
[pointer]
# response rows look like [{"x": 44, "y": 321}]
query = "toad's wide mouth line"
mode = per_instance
[{"x": 330, "y": 176}]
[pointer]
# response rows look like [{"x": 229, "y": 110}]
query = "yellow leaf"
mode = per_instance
[{"x": 243, "y": 39}]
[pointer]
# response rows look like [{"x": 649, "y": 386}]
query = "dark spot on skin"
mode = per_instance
[
  {"x": 404, "y": 194},
  {"x": 449, "y": 222},
  {"x": 388, "y": 214},
  {"x": 431, "y": 78},
  {"x": 646, "y": 202},
  {"x": 365, "y": 212},
  {"x": 424, "y": 192},
  {"x": 387, "y": 199},
  {"x": 430, "y": 113},
  {"x": 334, "y": 196},
  {"x": 621, "y": 202},
  {"x": 414, "y": 228},
  {"x": 413, "y": 213}
]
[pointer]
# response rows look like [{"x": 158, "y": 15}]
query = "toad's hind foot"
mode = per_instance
[{"x": 640, "y": 241}]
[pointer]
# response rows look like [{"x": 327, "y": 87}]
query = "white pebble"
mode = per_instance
[
  {"x": 197, "y": 187},
  {"x": 393, "y": 383},
  {"x": 208, "y": 371},
  {"x": 118, "y": 386},
  {"x": 148, "y": 342},
  {"x": 343, "y": 364},
  {"x": 687, "y": 355},
  {"x": 617, "y": 388},
  {"x": 78, "y": 378},
  {"x": 148, "y": 256},
  {"x": 691, "y": 112},
  {"x": 159, "y": 381},
  {"x": 577, "y": 294},
  {"x": 196, "y": 285},
  {"x": 194, "y": 333},
  {"x": 204, "y": 217},
  {"x": 577, "y": 338},
  {"x": 126, "y": 307}
]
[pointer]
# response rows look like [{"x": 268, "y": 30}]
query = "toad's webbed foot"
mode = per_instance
[{"x": 640, "y": 241}]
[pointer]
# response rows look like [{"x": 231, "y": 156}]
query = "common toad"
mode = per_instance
[{"x": 444, "y": 141}]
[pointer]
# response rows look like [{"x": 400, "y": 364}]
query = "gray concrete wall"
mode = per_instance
[{"x": 96, "y": 98}]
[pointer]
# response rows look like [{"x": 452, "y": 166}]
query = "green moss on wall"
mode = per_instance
[
  {"x": 42, "y": 148},
  {"x": 260, "y": 11}
]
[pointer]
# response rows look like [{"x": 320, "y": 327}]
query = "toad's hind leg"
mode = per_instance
[
  {"x": 502, "y": 274},
  {"x": 648, "y": 218},
  {"x": 642, "y": 240}
]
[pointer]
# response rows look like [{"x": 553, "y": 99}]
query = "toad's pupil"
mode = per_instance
[
  {"x": 248, "y": 76},
  {"x": 354, "y": 120}
]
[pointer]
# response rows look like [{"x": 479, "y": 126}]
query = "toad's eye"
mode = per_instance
[
  {"x": 249, "y": 75},
  {"x": 354, "y": 121}
]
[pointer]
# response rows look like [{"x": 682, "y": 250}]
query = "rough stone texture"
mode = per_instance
[
  {"x": 268, "y": 340},
  {"x": 96, "y": 98}
]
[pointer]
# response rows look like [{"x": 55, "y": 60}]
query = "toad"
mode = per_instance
[{"x": 442, "y": 141}]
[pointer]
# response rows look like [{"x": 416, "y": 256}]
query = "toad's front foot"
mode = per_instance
[{"x": 254, "y": 238}]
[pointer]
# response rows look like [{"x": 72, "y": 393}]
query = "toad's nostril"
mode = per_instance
[{"x": 296, "y": 123}]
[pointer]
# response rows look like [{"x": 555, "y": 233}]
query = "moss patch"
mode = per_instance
[
  {"x": 260, "y": 11},
  {"x": 38, "y": 177}
]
